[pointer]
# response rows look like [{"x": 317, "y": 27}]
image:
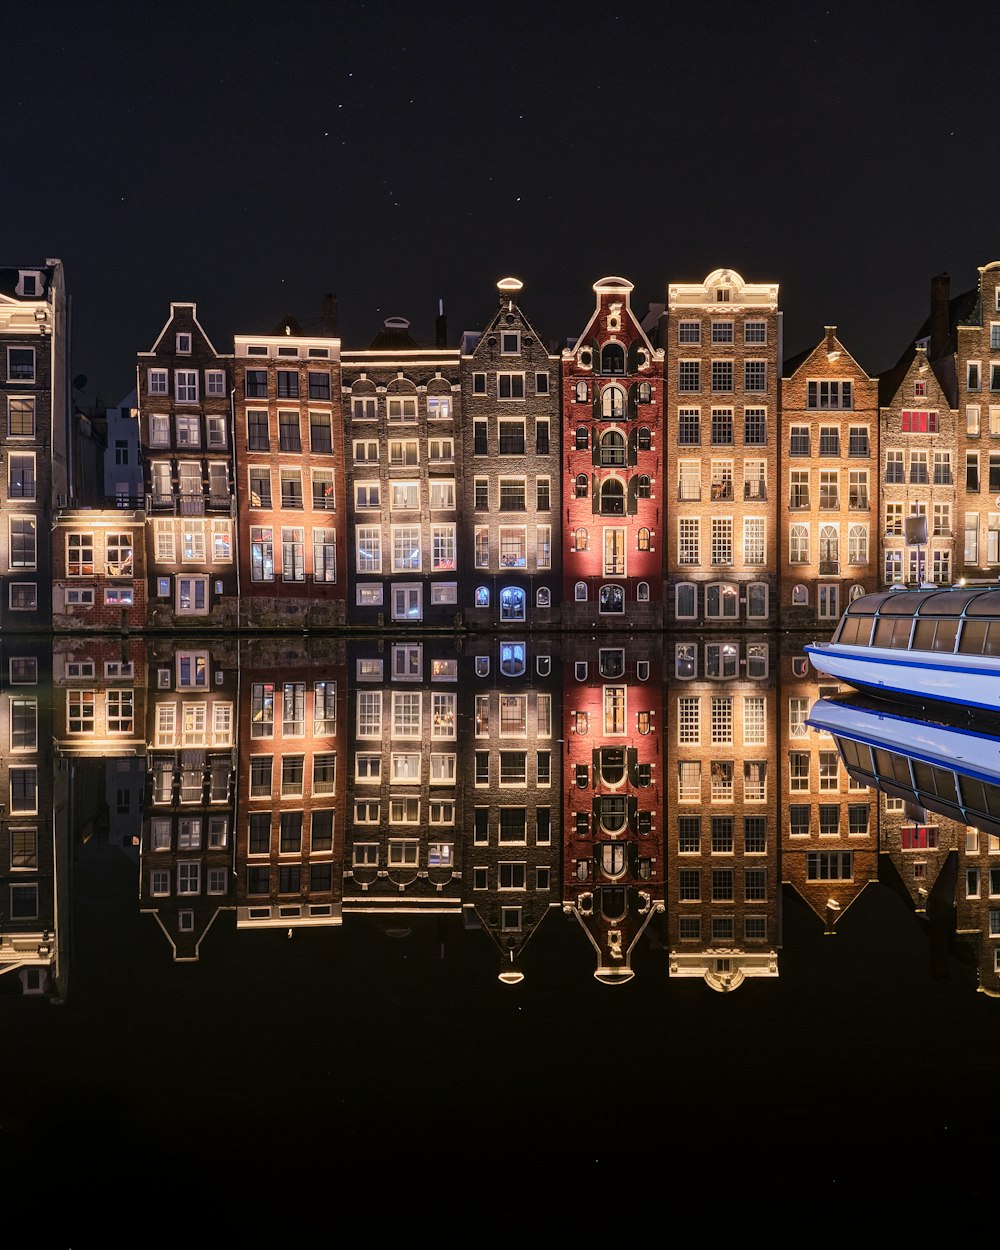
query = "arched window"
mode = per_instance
[
  {"x": 612, "y": 600},
  {"x": 613, "y": 859},
  {"x": 613, "y": 497},
  {"x": 612, "y": 358},
  {"x": 482, "y": 666},
  {"x": 685, "y": 660},
  {"x": 482, "y": 596},
  {"x": 800, "y": 666},
  {"x": 582, "y": 438},
  {"x": 580, "y": 592},
  {"x": 722, "y": 601},
  {"x": 612, "y": 765},
  {"x": 757, "y": 599},
  {"x": 581, "y": 539},
  {"x": 612, "y": 403},
  {"x": 543, "y": 665},
  {"x": 582, "y": 486},
  {"x": 512, "y": 662},
  {"x": 829, "y": 549},
  {"x": 611, "y": 662},
  {"x": 643, "y": 539},
  {"x": 800, "y": 596},
  {"x": 645, "y": 393},
  {"x": 580, "y": 670},
  {"x": 613, "y": 812},
  {"x": 642, "y": 592},
  {"x": 512, "y": 604},
  {"x": 582, "y": 392},
  {"x": 856, "y": 591},
  {"x": 857, "y": 544},
  {"x": 613, "y": 449},
  {"x": 685, "y": 601},
  {"x": 798, "y": 544},
  {"x": 645, "y": 438},
  {"x": 543, "y": 597},
  {"x": 644, "y": 486}
]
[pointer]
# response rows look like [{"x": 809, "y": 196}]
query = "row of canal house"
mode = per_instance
[
  {"x": 673, "y": 468},
  {"x": 287, "y": 782}
]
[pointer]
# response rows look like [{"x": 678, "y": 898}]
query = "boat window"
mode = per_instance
[
  {"x": 893, "y": 632},
  {"x": 934, "y": 635},
  {"x": 980, "y": 638},
  {"x": 979, "y": 795},
  {"x": 855, "y": 755},
  {"x": 892, "y": 767},
  {"x": 855, "y": 631},
  {"x": 938, "y": 782}
]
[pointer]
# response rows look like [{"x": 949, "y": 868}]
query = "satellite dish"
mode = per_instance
[{"x": 80, "y": 382}]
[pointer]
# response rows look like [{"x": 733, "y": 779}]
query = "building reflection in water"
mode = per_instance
[{"x": 655, "y": 790}]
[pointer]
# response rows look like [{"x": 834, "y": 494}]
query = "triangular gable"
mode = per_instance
[
  {"x": 941, "y": 399},
  {"x": 174, "y": 305},
  {"x": 503, "y": 310},
  {"x": 820, "y": 350},
  {"x": 615, "y": 286}
]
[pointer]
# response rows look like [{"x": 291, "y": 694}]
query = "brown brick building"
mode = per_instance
[
  {"x": 829, "y": 488},
  {"x": 404, "y": 427},
  {"x": 99, "y": 569},
  {"x": 511, "y": 493},
  {"x": 289, "y": 436},
  {"x": 722, "y": 377},
  {"x": 186, "y": 439},
  {"x": 977, "y": 432},
  {"x": 920, "y": 458}
]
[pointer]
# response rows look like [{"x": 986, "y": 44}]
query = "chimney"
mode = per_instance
[
  {"x": 329, "y": 316},
  {"x": 441, "y": 327},
  {"x": 940, "y": 313}
]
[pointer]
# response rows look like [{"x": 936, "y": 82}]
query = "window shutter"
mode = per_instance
[
  {"x": 633, "y": 494},
  {"x": 633, "y": 766},
  {"x": 633, "y": 446},
  {"x": 633, "y": 400},
  {"x": 595, "y": 498}
]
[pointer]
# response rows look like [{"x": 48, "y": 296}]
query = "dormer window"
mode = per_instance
[
  {"x": 183, "y": 344},
  {"x": 29, "y": 285},
  {"x": 723, "y": 295}
]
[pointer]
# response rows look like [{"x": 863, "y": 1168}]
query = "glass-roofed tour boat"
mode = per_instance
[{"x": 920, "y": 644}]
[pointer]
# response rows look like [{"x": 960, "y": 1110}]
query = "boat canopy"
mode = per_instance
[{"x": 981, "y": 601}]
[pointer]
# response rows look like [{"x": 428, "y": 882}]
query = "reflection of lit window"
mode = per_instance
[
  {"x": 482, "y": 597},
  {"x": 512, "y": 604},
  {"x": 512, "y": 659},
  {"x": 612, "y": 599}
]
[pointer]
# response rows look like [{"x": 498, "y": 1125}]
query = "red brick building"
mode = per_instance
[
  {"x": 612, "y": 489},
  {"x": 613, "y": 861}
]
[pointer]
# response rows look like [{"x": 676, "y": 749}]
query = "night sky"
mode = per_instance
[{"x": 251, "y": 157}]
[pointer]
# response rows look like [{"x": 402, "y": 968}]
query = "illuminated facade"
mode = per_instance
[
  {"x": 512, "y": 831},
  {"x": 828, "y": 490},
  {"x": 724, "y": 354},
  {"x": 613, "y": 814},
  {"x": 289, "y": 436},
  {"x": 290, "y": 788},
  {"x": 919, "y": 476},
  {"x": 405, "y": 798},
  {"x": 186, "y": 865},
  {"x": 511, "y": 491},
  {"x": 613, "y": 504},
  {"x": 186, "y": 438},
  {"x": 34, "y": 437},
  {"x": 722, "y": 846},
  {"x": 99, "y": 569},
  {"x": 404, "y": 428},
  {"x": 978, "y": 429},
  {"x": 828, "y": 820}
]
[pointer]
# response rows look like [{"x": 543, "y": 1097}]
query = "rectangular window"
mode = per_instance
[
  {"x": 755, "y": 375},
  {"x": 369, "y": 549},
  {"x": 689, "y": 375},
  {"x": 829, "y": 440},
  {"x": 799, "y": 440},
  {"x": 689, "y": 332},
  {"x": 829, "y": 394},
  {"x": 291, "y": 488},
  {"x": 186, "y": 385},
  {"x": 753, "y": 540},
  {"x": 258, "y": 433},
  {"x": 689, "y": 781},
  {"x": 289, "y": 431},
  {"x": 722, "y": 427},
  {"x": 722, "y": 540},
  {"x": 22, "y": 553},
  {"x": 510, "y": 386},
  {"x": 324, "y": 555},
  {"x": 755, "y": 427},
  {"x": 689, "y": 427},
  {"x": 689, "y": 541},
  {"x": 722, "y": 375},
  {"x": 319, "y": 385},
  {"x": 21, "y": 418},
  {"x": 21, "y": 475}
]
